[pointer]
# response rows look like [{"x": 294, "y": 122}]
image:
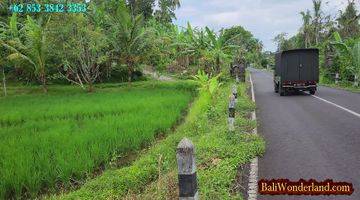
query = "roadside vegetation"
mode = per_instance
[
  {"x": 113, "y": 42},
  {"x": 337, "y": 37},
  {"x": 219, "y": 154},
  {"x": 75, "y": 104}
]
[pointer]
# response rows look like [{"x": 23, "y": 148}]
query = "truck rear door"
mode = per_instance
[
  {"x": 292, "y": 67},
  {"x": 306, "y": 66}
]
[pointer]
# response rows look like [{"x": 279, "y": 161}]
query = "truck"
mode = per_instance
[{"x": 296, "y": 70}]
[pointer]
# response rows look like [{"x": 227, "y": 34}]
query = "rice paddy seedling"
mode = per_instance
[{"x": 51, "y": 142}]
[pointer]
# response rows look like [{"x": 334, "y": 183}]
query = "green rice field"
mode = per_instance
[{"x": 52, "y": 142}]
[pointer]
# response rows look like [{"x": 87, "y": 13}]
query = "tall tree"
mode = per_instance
[
  {"x": 281, "y": 41},
  {"x": 306, "y": 28},
  {"x": 317, "y": 19},
  {"x": 141, "y": 7},
  {"x": 84, "y": 50},
  {"x": 348, "y": 21},
  {"x": 166, "y": 11},
  {"x": 129, "y": 38}
]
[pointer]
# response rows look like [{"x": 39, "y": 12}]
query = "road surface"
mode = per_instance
[{"x": 308, "y": 137}]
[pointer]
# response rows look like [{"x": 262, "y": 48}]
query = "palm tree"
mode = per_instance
[
  {"x": 167, "y": 10},
  {"x": 306, "y": 28},
  {"x": 129, "y": 37},
  {"x": 317, "y": 19}
]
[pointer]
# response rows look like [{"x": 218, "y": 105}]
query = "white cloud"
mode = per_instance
[{"x": 264, "y": 18}]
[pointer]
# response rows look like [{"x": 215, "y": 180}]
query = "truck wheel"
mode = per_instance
[
  {"x": 282, "y": 91},
  {"x": 276, "y": 88},
  {"x": 312, "y": 92}
]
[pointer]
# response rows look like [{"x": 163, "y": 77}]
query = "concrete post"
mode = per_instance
[
  {"x": 235, "y": 93},
  {"x": 185, "y": 155},
  {"x": 356, "y": 81},
  {"x": 337, "y": 77},
  {"x": 232, "y": 113}
]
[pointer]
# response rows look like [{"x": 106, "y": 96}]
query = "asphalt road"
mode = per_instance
[{"x": 307, "y": 137}]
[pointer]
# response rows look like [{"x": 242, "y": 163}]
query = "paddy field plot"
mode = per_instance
[{"x": 49, "y": 142}]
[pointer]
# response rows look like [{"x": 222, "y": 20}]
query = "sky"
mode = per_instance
[{"x": 264, "y": 18}]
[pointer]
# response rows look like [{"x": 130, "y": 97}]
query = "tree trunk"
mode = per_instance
[
  {"x": 91, "y": 87},
  {"x": 129, "y": 73},
  {"x": 4, "y": 81},
  {"x": 43, "y": 80},
  {"x": 217, "y": 64}
]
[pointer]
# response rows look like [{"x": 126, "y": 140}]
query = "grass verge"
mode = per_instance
[
  {"x": 219, "y": 153},
  {"x": 342, "y": 86}
]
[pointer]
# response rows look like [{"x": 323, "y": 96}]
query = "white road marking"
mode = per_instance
[
  {"x": 253, "y": 177},
  {"x": 252, "y": 89},
  {"x": 338, "y": 106}
]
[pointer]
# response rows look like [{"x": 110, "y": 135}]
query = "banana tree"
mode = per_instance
[
  {"x": 351, "y": 52},
  {"x": 8, "y": 32},
  {"x": 207, "y": 84},
  {"x": 219, "y": 48},
  {"x": 31, "y": 49},
  {"x": 189, "y": 43}
]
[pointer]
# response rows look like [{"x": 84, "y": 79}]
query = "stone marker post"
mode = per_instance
[
  {"x": 337, "y": 77},
  {"x": 236, "y": 73},
  {"x": 356, "y": 81},
  {"x": 185, "y": 155},
  {"x": 234, "y": 92},
  {"x": 232, "y": 113}
]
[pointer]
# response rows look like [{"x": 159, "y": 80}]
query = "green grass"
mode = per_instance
[
  {"x": 219, "y": 154},
  {"x": 342, "y": 85},
  {"x": 53, "y": 142},
  {"x": 345, "y": 85}
]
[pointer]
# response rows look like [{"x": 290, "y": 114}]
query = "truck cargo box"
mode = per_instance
[{"x": 296, "y": 69}]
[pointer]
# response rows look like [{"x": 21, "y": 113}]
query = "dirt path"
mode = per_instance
[{"x": 156, "y": 76}]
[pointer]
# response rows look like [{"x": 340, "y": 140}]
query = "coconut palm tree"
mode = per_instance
[
  {"x": 129, "y": 38},
  {"x": 166, "y": 11},
  {"x": 317, "y": 19},
  {"x": 306, "y": 28}
]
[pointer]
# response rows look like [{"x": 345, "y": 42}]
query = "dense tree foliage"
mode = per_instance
[
  {"x": 337, "y": 38},
  {"x": 113, "y": 41}
]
